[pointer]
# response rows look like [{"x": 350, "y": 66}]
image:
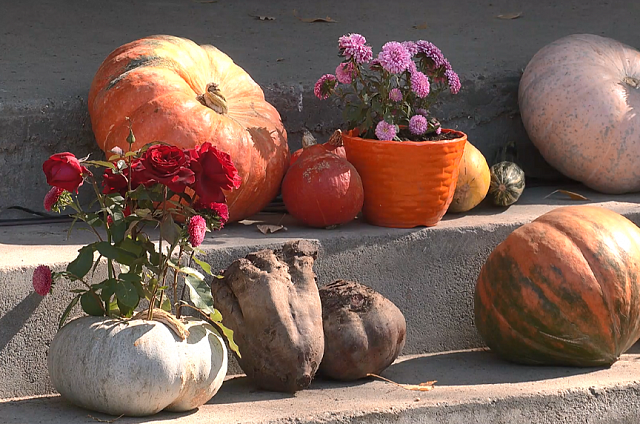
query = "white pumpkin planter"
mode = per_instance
[{"x": 136, "y": 367}]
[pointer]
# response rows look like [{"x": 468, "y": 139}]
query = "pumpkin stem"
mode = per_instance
[
  {"x": 336, "y": 139},
  {"x": 213, "y": 99},
  {"x": 167, "y": 319},
  {"x": 308, "y": 139},
  {"x": 632, "y": 82}
]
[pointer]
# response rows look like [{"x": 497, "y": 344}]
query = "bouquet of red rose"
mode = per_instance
[{"x": 177, "y": 193}]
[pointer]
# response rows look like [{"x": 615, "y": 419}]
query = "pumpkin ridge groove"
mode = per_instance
[{"x": 580, "y": 246}]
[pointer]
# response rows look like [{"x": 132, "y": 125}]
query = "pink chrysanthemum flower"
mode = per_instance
[
  {"x": 324, "y": 86},
  {"x": 418, "y": 124},
  {"x": 345, "y": 73},
  {"x": 454, "y": 81},
  {"x": 395, "y": 95},
  {"x": 394, "y": 57},
  {"x": 423, "y": 112},
  {"x": 354, "y": 46},
  {"x": 42, "y": 280},
  {"x": 51, "y": 198},
  {"x": 432, "y": 52},
  {"x": 438, "y": 130},
  {"x": 420, "y": 84},
  {"x": 385, "y": 131},
  {"x": 197, "y": 229},
  {"x": 411, "y": 47}
]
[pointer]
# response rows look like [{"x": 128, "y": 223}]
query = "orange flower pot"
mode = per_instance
[{"x": 406, "y": 184}]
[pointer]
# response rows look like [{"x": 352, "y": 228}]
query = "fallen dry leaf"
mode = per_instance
[
  {"x": 268, "y": 229},
  {"x": 311, "y": 20},
  {"x": 263, "y": 18},
  {"x": 571, "y": 194},
  {"x": 422, "y": 387},
  {"x": 280, "y": 59},
  {"x": 514, "y": 15},
  {"x": 421, "y": 26}
]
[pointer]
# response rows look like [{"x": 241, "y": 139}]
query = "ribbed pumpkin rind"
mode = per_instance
[
  {"x": 406, "y": 184},
  {"x": 563, "y": 290},
  {"x": 507, "y": 183},
  {"x": 154, "y": 81}
]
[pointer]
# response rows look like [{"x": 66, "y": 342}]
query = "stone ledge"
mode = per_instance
[{"x": 473, "y": 386}]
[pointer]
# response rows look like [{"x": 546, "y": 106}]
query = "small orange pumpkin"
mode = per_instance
[
  {"x": 170, "y": 89},
  {"x": 474, "y": 179}
]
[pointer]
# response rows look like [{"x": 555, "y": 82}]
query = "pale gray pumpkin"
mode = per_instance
[{"x": 136, "y": 367}]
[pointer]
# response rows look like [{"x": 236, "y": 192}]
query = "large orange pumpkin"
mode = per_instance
[
  {"x": 563, "y": 289},
  {"x": 579, "y": 103},
  {"x": 175, "y": 91}
]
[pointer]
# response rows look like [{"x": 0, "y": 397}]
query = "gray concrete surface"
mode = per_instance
[
  {"x": 472, "y": 387},
  {"x": 429, "y": 273},
  {"x": 50, "y": 50}
]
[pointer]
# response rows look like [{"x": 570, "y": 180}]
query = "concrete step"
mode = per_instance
[
  {"x": 472, "y": 387},
  {"x": 429, "y": 273},
  {"x": 50, "y": 51}
]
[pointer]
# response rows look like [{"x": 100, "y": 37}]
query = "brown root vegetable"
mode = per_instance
[
  {"x": 364, "y": 331},
  {"x": 270, "y": 300}
]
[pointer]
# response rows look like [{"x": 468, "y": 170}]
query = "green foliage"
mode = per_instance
[{"x": 137, "y": 265}]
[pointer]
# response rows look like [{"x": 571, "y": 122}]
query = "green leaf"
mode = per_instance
[
  {"x": 132, "y": 247},
  {"x": 108, "y": 289},
  {"x": 166, "y": 305},
  {"x": 117, "y": 254},
  {"x": 118, "y": 230},
  {"x": 125, "y": 311},
  {"x": 205, "y": 266},
  {"x": 100, "y": 163},
  {"x": 200, "y": 293},
  {"x": 228, "y": 334},
  {"x": 216, "y": 316},
  {"x": 81, "y": 265},
  {"x": 92, "y": 304},
  {"x": 127, "y": 294},
  {"x": 94, "y": 220},
  {"x": 169, "y": 230},
  {"x": 67, "y": 311}
]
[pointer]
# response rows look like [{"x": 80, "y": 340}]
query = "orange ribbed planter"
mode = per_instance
[{"x": 406, "y": 184}]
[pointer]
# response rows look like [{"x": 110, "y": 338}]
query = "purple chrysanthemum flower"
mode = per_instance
[
  {"x": 42, "y": 280},
  {"x": 345, "y": 73},
  {"x": 385, "y": 131},
  {"x": 394, "y": 57},
  {"x": 454, "y": 81},
  {"x": 51, "y": 198},
  {"x": 411, "y": 47},
  {"x": 418, "y": 124},
  {"x": 420, "y": 84},
  {"x": 324, "y": 86},
  {"x": 438, "y": 130},
  {"x": 354, "y": 45},
  {"x": 395, "y": 95},
  {"x": 423, "y": 112},
  {"x": 197, "y": 229},
  {"x": 432, "y": 52}
]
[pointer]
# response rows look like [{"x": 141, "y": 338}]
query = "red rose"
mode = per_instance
[
  {"x": 63, "y": 170},
  {"x": 219, "y": 209},
  {"x": 167, "y": 165},
  {"x": 118, "y": 183},
  {"x": 214, "y": 172}
]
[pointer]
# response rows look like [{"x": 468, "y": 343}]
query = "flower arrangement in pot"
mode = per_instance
[
  {"x": 134, "y": 353},
  {"x": 408, "y": 163}
]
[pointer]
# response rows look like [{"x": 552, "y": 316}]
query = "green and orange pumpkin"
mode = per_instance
[
  {"x": 170, "y": 89},
  {"x": 563, "y": 289}
]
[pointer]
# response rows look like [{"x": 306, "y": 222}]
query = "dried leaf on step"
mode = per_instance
[
  {"x": 267, "y": 228},
  {"x": 280, "y": 59},
  {"x": 263, "y": 18},
  {"x": 421, "y": 26},
  {"x": 514, "y": 15},
  {"x": 570, "y": 194},
  {"x": 312, "y": 20},
  {"x": 422, "y": 387}
]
